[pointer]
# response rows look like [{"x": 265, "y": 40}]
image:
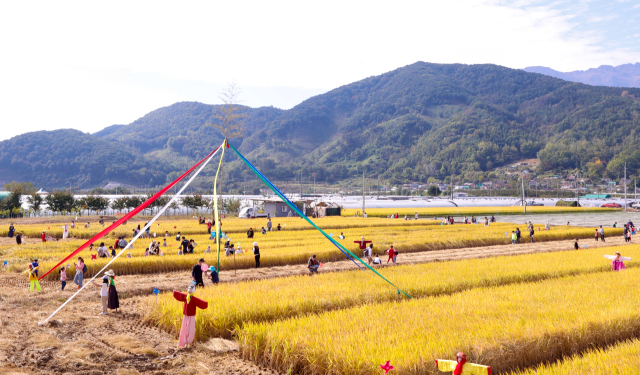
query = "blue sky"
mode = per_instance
[{"x": 88, "y": 65}]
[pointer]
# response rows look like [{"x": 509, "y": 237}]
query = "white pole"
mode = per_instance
[{"x": 134, "y": 239}]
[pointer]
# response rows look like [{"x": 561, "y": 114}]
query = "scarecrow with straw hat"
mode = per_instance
[
  {"x": 191, "y": 304},
  {"x": 461, "y": 367}
]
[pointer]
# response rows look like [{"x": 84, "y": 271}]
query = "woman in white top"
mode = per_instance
[{"x": 65, "y": 231}]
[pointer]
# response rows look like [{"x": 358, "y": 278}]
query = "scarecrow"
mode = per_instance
[
  {"x": 461, "y": 367},
  {"x": 617, "y": 261},
  {"x": 191, "y": 304}
]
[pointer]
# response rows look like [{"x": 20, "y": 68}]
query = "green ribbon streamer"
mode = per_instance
[{"x": 293, "y": 207}]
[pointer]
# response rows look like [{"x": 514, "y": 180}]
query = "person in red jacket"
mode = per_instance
[
  {"x": 191, "y": 304},
  {"x": 44, "y": 236},
  {"x": 392, "y": 254}
]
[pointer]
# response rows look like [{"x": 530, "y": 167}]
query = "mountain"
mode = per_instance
[
  {"x": 627, "y": 75},
  {"x": 416, "y": 122}
]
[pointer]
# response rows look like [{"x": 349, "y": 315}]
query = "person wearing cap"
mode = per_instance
[
  {"x": 256, "y": 253},
  {"x": 196, "y": 273},
  {"x": 461, "y": 367},
  {"x": 35, "y": 266},
  {"x": 191, "y": 304},
  {"x": 313, "y": 264},
  {"x": 33, "y": 278},
  {"x": 214, "y": 275},
  {"x": 104, "y": 293}
]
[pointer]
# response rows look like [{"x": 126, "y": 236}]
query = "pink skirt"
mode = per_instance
[{"x": 187, "y": 331}]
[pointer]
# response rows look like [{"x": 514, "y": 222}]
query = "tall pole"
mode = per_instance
[
  {"x": 524, "y": 204},
  {"x": 577, "y": 188},
  {"x": 362, "y": 193},
  {"x": 625, "y": 187}
]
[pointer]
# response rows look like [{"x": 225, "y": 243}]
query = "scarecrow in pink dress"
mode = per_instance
[
  {"x": 617, "y": 261},
  {"x": 191, "y": 304}
]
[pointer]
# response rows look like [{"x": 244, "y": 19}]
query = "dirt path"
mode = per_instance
[{"x": 79, "y": 341}]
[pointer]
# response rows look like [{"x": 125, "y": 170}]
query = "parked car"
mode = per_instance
[
  {"x": 611, "y": 205},
  {"x": 635, "y": 205}
]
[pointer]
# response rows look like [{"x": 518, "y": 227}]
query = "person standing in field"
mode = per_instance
[
  {"x": 78, "y": 278},
  {"x": 191, "y": 304},
  {"x": 209, "y": 226},
  {"x": 63, "y": 278},
  {"x": 392, "y": 254},
  {"x": 18, "y": 238},
  {"x": 313, "y": 264},
  {"x": 65, "y": 231},
  {"x": 518, "y": 234},
  {"x": 104, "y": 293},
  {"x": 123, "y": 243},
  {"x": 102, "y": 251},
  {"x": 12, "y": 231},
  {"x": 73, "y": 224},
  {"x": 601, "y": 233},
  {"x": 486, "y": 221},
  {"x": 531, "y": 233},
  {"x": 196, "y": 273},
  {"x": 514, "y": 237},
  {"x": 597, "y": 235},
  {"x": 575, "y": 245},
  {"x": 256, "y": 253},
  {"x": 250, "y": 233},
  {"x": 113, "y": 301},
  {"x": 367, "y": 254},
  {"x": 184, "y": 245},
  {"x": 214, "y": 275},
  {"x": 416, "y": 216},
  {"x": 33, "y": 279},
  {"x": 269, "y": 225}
]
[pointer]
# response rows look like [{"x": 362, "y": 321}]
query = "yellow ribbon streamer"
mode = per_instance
[{"x": 215, "y": 204}]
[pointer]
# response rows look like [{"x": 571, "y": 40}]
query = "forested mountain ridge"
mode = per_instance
[{"x": 416, "y": 122}]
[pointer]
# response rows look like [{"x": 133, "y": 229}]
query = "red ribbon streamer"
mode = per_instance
[{"x": 127, "y": 216}]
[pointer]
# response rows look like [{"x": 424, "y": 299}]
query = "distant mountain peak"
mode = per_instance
[{"x": 626, "y": 75}]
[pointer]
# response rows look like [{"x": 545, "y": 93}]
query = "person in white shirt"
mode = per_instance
[
  {"x": 367, "y": 254},
  {"x": 152, "y": 245},
  {"x": 65, "y": 231},
  {"x": 102, "y": 251},
  {"x": 377, "y": 260},
  {"x": 104, "y": 293}
]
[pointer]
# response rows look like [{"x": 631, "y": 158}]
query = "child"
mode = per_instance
[
  {"x": 164, "y": 244},
  {"x": 191, "y": 304},
  {"x": 113, "y": 251},
  {"x": 166, "y": 233},
  {"x": 597, "y": 235},
  {"x": 278, "y": 227},
  {"x": 514, "y": 237},
  {"x": 263, "y": 231},
  {"x": 208, "y": 250},
  {"x": 129, "y": 255},
  {"x": 575, "y": 245},
  {"x": 178, "y": 236},
  {"x": 341, "y": 236},
  {"x": 214, "y": 275},
  {"x": 63, "y": 277},
  {"x": 35, "y": 266},
  {"x": 33, "y": 279}
]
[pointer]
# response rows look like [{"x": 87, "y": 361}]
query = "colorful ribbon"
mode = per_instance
[
  {"x": 348, "y": 253},
  {"x": 215, "y": 202},
  {"x": 128, "y": 216}
]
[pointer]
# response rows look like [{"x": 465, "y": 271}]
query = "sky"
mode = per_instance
[{"x": 87, "y": 65}]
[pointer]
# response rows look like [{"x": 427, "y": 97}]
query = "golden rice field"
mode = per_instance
[
  {"x": 192, "y": 227},
  {"x": 289, "y": 247},
  {"x": 621, "y": 359},
  {"x": 232, "y": 305},
  {"x": 507, "y": 327},
  {"x": 473, "y": 211}
]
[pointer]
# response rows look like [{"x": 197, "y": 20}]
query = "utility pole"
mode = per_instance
[
  {"x": 577, "y": 189},
  {"x": 524, "y": 204},
  {"x": 378, "y": 186},
  {"x": 625, "y": 187},
  {"x": 363, "y": 194}
]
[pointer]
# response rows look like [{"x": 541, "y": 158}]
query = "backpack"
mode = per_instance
[{"x": 84, "y": 268}]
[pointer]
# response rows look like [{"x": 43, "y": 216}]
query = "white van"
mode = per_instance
[{"x": 250, "y": 213}]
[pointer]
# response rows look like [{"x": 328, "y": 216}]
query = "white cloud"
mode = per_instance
[{"x": 87, "y": 65}]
